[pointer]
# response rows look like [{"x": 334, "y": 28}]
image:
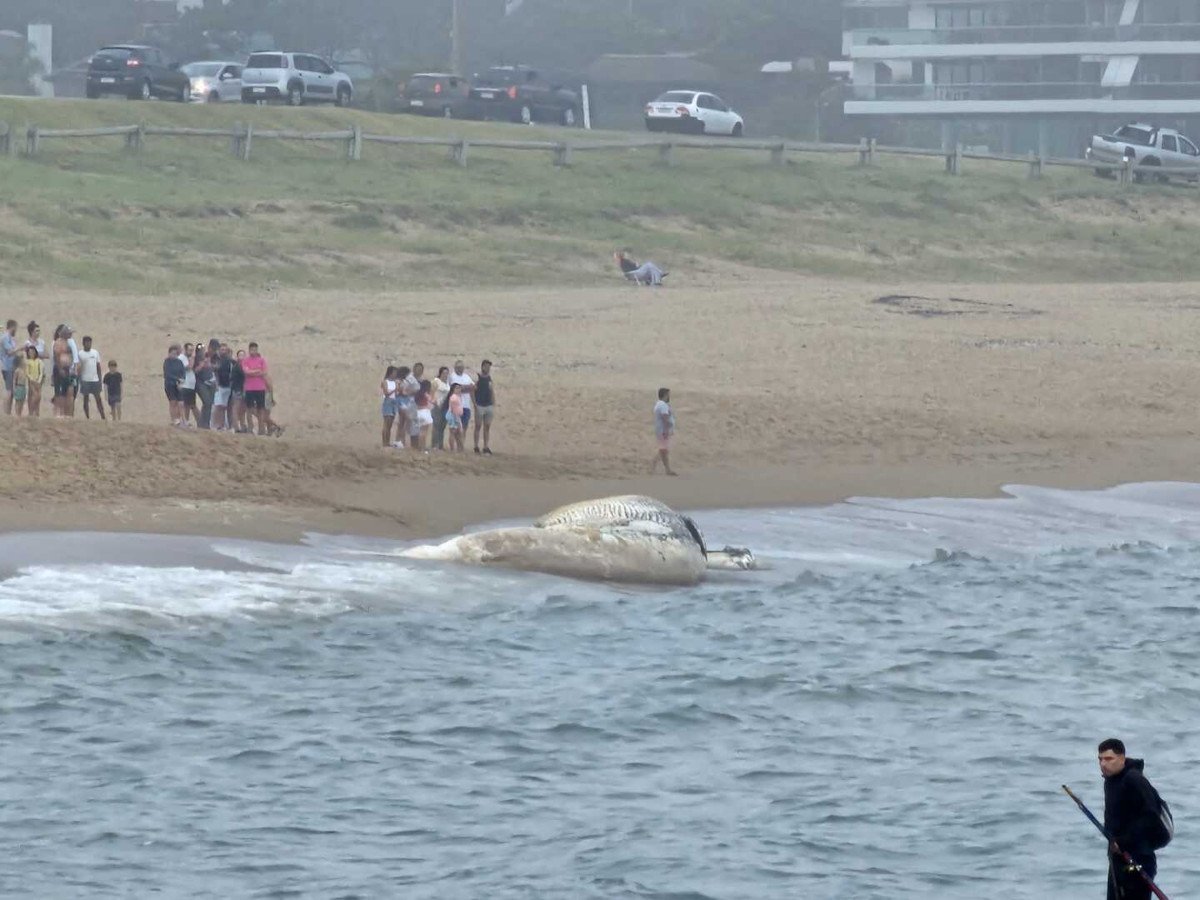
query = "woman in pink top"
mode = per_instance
[{"x": 258, "y": 382}]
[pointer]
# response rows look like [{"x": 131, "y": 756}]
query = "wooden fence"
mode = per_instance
[{"x": 241, "y": 140}]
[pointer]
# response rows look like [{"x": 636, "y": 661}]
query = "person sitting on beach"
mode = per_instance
[{"x": 646, "y": 273}]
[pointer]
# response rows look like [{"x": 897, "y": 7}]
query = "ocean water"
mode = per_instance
[{"x": 886, "y": 710}]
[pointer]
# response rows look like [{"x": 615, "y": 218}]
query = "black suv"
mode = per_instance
[
  {"x": 137, "y": 72},
  {"x": 520, "y": 94},
  {"x": 436, "y": 94}
]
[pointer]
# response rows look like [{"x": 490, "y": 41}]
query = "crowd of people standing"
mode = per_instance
[
  {"x": 70, "y": 371},
  {"x": 234, "y": 389},
  {"x": 424, "y": 414},
  {"x": 209, "y": 385}
]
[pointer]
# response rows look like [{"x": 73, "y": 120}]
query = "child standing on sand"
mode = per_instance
[
  {"x": 20, "y": 383},
  {"x": 112, "y": 387},
  {"x": 35, "y": 374},
  {"x": 454, "y": 412}
]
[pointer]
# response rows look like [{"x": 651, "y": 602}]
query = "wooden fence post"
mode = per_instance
[
  {"x": 354, "y": 144},
  {"x": 1035, "y": 166},
  {"x": 666, "y": 154},
  {"x": 32, "y": 140},
  {"x": 871, "y": 152},
  {"x": 777, "y": 154},
  {"x": 458, "y": 152},
  {"x": 864, "y": 151},
  {"x": 1125, "y": 175},
  {"x": 133, "y": 140},
  {"x": 5, "y": 139},
  {"x": 562, "y": 154},
  {"x": 247, "y": 138}
]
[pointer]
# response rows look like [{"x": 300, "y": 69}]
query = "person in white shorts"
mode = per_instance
[{"x": 224, "y": 392}]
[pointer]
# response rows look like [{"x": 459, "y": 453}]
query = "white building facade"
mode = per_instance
[{"x": 1021, "y": 75}]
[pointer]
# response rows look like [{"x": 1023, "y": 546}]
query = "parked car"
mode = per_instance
[
  {"x": 692, "y": 112},
  {"x": 135, "y": 71},
  {"x": 1147, "y": 146},
  {"x": 436, "y": 94},
  {"x": 214, "y": 82},
  {"x": 297, "y": 78},
  {"x": 520, "y": 94}
]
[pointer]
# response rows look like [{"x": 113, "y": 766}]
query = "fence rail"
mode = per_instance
[{"x": 242, "y": 136}]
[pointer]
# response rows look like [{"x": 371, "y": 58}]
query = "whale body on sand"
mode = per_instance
[{"x": 629, "y": 539}]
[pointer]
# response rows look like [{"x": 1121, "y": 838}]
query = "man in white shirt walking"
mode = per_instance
[{"x": 89, "y": 377}]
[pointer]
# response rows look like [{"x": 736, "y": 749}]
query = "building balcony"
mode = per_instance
[
  {"x": 1026, "y": 91},
  {"x": 1021, "y": 34}
]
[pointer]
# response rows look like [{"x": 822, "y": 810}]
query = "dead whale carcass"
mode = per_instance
[{"x": 627, "y": 538}]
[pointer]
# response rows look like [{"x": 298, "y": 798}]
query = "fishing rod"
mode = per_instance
[{"x": 1125, "y": 856}]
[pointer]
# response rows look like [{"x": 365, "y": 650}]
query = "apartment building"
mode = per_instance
[{"x": 1018, "y": 75}]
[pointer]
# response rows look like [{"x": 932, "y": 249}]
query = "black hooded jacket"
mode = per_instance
[{"x": 1131, "y": 808}]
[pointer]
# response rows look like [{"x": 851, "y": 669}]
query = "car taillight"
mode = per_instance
[
  {"x": 512, "y": 92},
  {"x": 683, "y": 110},
  {"x": 648, "y": 107},
  {"x": 437, "y": 88},
  {"x": 133, "y": 62}
]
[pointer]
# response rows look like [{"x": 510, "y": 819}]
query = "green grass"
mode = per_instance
[{"x": 184, "y": 215}]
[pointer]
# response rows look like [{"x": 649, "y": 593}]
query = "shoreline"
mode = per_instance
[
  {"x": 445, "y": 504},
  {"x": 788, "y": 392}
]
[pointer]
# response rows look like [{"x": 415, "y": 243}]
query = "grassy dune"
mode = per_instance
[{"x": 184, "y": 215}]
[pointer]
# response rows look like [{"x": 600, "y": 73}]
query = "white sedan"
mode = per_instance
[
  {"x": 692, "y": 112},
  {"x": 214, "y": 82}
]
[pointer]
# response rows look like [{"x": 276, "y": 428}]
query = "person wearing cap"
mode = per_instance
[{"x": 69, "y": 402}]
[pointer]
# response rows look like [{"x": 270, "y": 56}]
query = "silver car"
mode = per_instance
[
  {"x": 296, "y": 78},
  {"x": 215, "y": 81}
]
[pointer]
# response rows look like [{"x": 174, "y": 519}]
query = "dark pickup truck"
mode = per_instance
[{"x": 521, "y": 94}]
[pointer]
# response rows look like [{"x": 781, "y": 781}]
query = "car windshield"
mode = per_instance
[
  {"x": 1134, "y": 134},
  {"x": 201, "y": 70},
  {"x": 503, "y": 77},
  {"x": 114, "y": 53},
  {"x": 675, "y": 97},
  {"x": 265, "y": 61}
]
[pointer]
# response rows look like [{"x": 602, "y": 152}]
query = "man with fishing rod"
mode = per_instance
[{"x": 1137, "y": 821}]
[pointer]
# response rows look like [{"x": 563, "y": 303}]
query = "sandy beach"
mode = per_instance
[{"x": 787, "y": 391}]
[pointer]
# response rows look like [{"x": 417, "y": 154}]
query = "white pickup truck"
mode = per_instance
[{"x": 1148, "y": 147}]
